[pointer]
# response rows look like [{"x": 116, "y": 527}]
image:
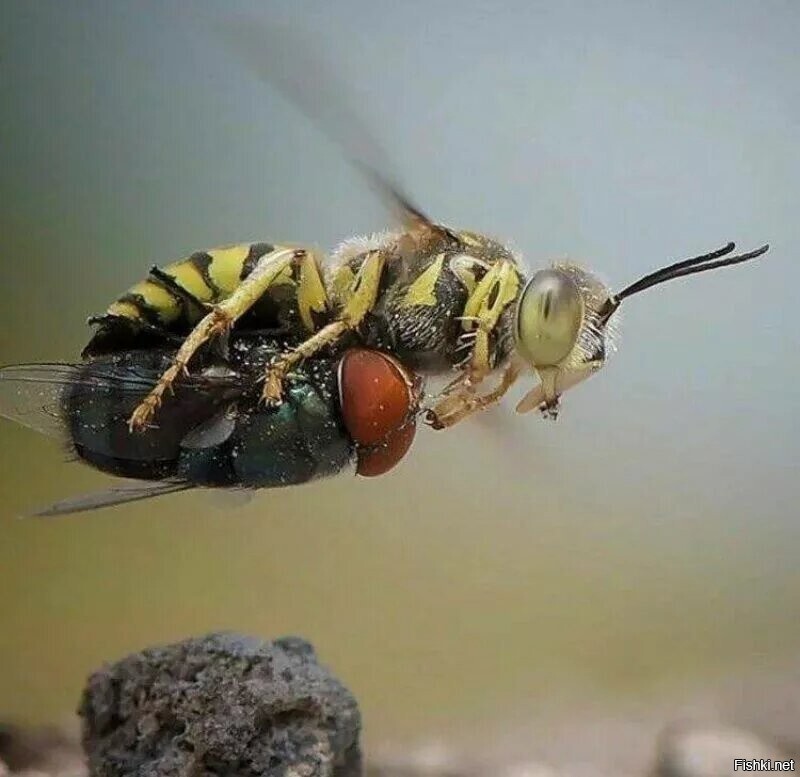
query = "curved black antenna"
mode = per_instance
[
  {"x": 697, "y": 264},
  {"x": 280, "y": 57}
]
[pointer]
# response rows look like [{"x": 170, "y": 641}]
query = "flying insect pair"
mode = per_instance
[{"x": 260, "y": 365}]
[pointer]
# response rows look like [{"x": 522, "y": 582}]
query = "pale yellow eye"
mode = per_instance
[{"x": 549, "y": 317}]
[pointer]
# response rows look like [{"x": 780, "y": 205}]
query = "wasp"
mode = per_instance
[
  {"x": 351, "y": 411},
  {"x": 446, "y": 302},
  {"x": 440, "y": 300}
]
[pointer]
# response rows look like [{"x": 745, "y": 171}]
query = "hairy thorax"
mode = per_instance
[{"x": 427, "y": 283}]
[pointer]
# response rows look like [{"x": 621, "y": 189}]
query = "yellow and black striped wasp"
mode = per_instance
[
  {"x": 441, "y": 300},
  {"x": 445, "y": 301}
]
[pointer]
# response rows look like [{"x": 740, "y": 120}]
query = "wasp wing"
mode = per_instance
[
  {"x": 118, "y": 495},
  {"x": 282, "y": 58}
]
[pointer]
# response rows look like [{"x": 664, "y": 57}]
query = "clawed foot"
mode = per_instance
[
  {"x": 215, "y": 324},
  {"x": 451, "y": 409},
  {"x": 272, "y": 393},
  {"x": 550, "y": 410},
  {"x": 143, "y": 414}
]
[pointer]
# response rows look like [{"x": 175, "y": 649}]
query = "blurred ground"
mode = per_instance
[{"x": 695, "y": 734}]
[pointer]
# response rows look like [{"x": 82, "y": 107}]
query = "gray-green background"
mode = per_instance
[{"x": 647, "y": 539}]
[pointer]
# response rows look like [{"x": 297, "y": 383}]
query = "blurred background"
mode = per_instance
[{"x": 647, "y": 541}]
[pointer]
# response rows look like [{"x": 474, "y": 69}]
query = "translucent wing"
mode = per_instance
[
  {"x": 229, "y": 498},
  {"x": 122, "y": 494},
  {"x": 211, "y": 433},
  {"x": 284, "y": 59},
  {"x": 31, "y": 394}
]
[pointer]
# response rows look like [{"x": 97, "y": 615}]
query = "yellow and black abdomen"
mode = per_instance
[{"x": 168, "y": 304}]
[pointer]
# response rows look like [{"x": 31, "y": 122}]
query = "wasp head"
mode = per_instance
[
  {"x": 560, "y": 331},
  {"x": 564, "y": 326}
]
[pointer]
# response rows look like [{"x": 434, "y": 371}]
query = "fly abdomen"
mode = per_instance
[{"x": 97, "y": 405}]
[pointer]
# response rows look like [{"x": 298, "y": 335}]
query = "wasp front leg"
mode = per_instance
[
  {"x": 464, "y": 401},
  {"x": 360, "y": 300},
  {"x": 217, "y": 322},
  {"x": 491, "y": 297}
]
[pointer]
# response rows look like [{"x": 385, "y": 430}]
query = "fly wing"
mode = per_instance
[
  {"x": 32, "y": 394},
  {"x": 211, "y": 433},
  {"x": 122, "y": 494},
  {"x": 282, "y": 58}
]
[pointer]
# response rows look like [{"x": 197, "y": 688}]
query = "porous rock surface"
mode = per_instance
[{"x": 220, "y": 705}]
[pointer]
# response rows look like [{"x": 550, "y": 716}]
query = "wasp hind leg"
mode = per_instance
[
  {"x": 360, "y": 300},
  {"x": 218, "y": 321}
]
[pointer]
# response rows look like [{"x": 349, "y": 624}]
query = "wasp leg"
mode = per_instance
[
  {"x": 285, "y": 363},
  {"x": 496, "y": 291},
  {"x": 463, "y": 402},
  {"x": 360, "y": 300},
  {"x": 217, "y": 322},
  {"x": 485, "y": 305}
]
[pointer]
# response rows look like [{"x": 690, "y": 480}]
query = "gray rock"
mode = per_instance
[{"x": 220, "y": 705}]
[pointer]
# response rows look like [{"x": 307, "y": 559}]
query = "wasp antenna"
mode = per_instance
[
  {"x": 696, "y": 264},
  {"x": 665, "y": 272}
]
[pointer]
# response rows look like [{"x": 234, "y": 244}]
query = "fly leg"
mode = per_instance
[
  {"x": 463, "y": 401},
  {"x": 218, "y": 321},
  {"x": 360, "y": 300}
]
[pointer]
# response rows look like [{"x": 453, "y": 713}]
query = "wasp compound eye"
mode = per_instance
[{"x": 549, "y": 318}]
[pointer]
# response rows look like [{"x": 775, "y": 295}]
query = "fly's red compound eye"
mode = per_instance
[{"x": 378, "y": 403}]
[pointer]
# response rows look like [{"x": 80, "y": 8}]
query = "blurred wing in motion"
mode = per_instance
[
  {"x": 282, "y": 58},
  {"x": 118, "y": 495}
]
